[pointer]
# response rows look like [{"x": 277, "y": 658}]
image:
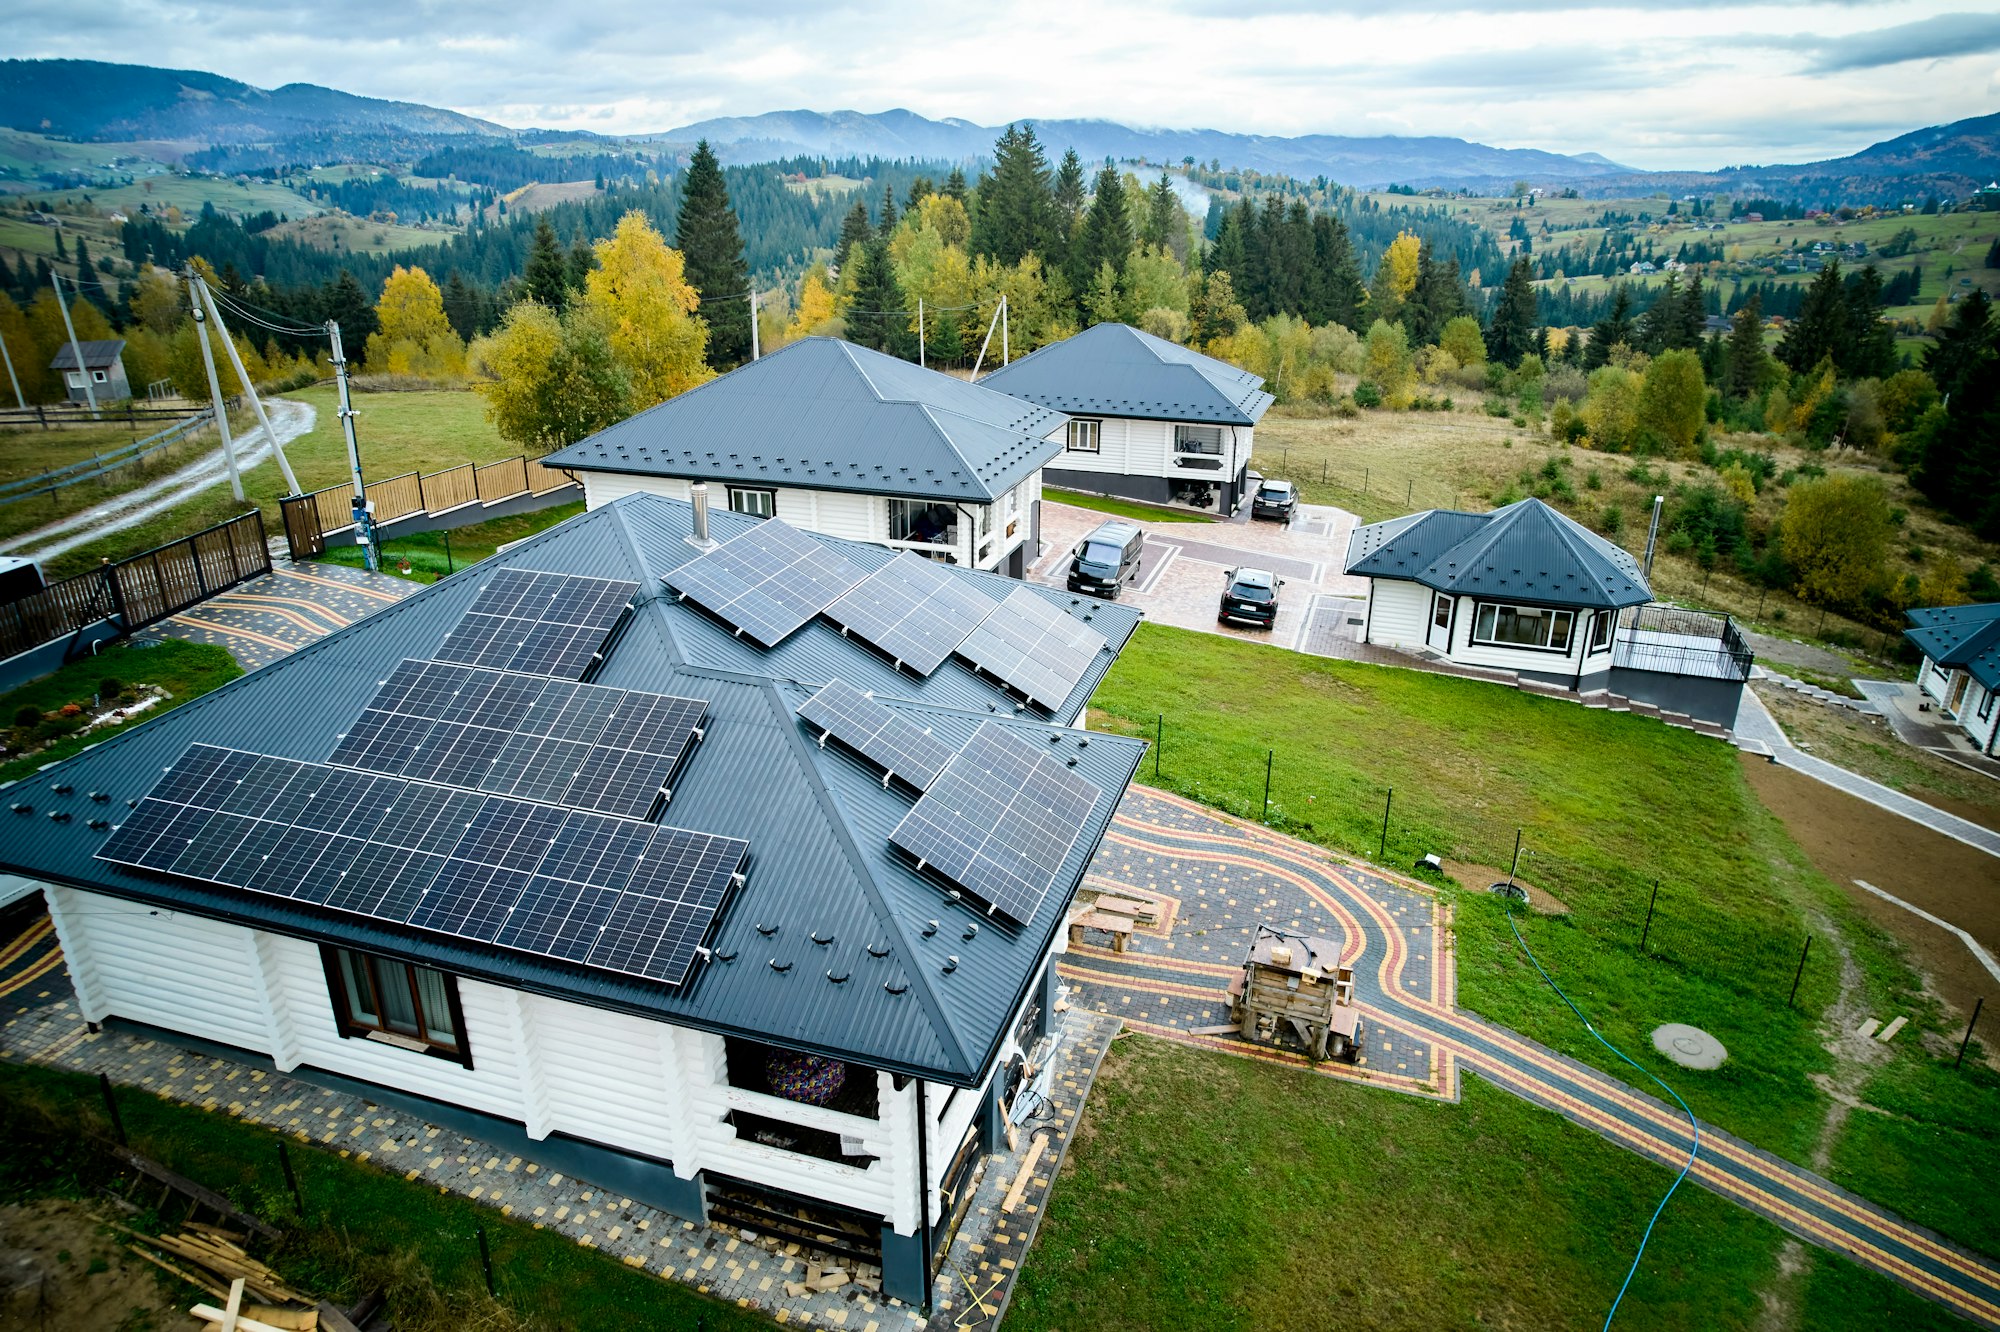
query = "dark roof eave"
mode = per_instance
[
  {"x": 1639, "y": 598},
  {"x": 985, "y": 492}
]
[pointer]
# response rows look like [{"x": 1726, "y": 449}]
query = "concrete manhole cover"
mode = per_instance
[{"x": 1690, "y": 1047}]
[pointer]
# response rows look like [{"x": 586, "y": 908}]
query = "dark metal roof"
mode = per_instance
[
  {"x": 1115, "y": 370},
  {"x": 828, "y": 415},
  {"x": 1524, "y": 552},
  {"x": 817, "y": 819},
  {"x": 96, "y": 355},
  {"x": 1960, "y": 638}
]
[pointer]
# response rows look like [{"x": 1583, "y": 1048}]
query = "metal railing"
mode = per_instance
[
  {"x": 1675, "y": 641},
  {"x": 139, "y": 590}
]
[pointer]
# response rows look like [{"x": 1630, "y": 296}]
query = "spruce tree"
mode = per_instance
[
  {"x": 1510, "y": 336},
  {"x": 885, "y": 224},
  {"x": 1868, "y": 349},
  {"x": 1334, "y": 289},
  {"x": 1608, "y": 332},
  {"x": 1821, "y": 325},
  {"x": 546, "y": 275},
  {"x": 946, "y": 343},
  {"x": 1438, "y": 299},
  {"x": 1066, "y": 222},
  {"x": 1656, "y": 326},
  {"x": 1288, "y": 256},
  {"x": 346, "y": 304},
  {"x": 954, "y": 185},
  {"x": 1745, "y": 363},
  {"x": 1162, "y": 210},
  {"x": 461, "y": 305},
  {"x": 1107, "y": 230},
  {"x": 707, "y": 236},
  {"x": 1692, "y": 316},
  {"x": 1016, "y": 210},
  {"x": 1959, "y": 443},
  {"x": 854, "y": 230},
  {"x": 1228, "y": 254},
  {"x": 582, "y": 258},
  {"x": 878, "y": 318}
]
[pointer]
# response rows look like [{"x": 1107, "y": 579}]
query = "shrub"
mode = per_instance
[
  {"x": 1566, "y": 383},
  {"x": 1498, "y": 407},
  {"x": 1366, "y": 394},
  {"x": 110, "y": 687},
  {"x": 27, "y": 715},
  {"x": 1593, "y": 479},
  {"x": 1612, "y": 521},
  {"x": 71, "y": 710}
]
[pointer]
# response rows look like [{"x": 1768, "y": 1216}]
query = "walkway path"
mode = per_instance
[
  {"x": 289, "y": 419},
  {"x": 1755, "y": 725},
  {"x": 293, "y": 605},
  {"x": 1222, "y": 877}
]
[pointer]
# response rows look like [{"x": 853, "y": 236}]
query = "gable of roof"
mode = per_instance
[
  {"x": 1525, "y": 551},
  {"x": 97, "y": 355},
  {"x": 821, "y": 867},
  {"x": 1117, "y": 370},
  {"x": 824, "y": 414},
  {"x": 1960, "y": 638}
]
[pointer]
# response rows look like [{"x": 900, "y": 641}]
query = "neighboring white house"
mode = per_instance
[
  {"x": 840, "y": 1027},
  {"x": 1527, "y": 590},
  {"x": 839, "y": 439},
  {"x": 103, "y": 369},
  {"x": 1961, "y": 647},
  {"x": 1148, "y": 419}
]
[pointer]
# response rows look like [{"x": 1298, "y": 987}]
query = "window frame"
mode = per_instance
[
  {"x": 768, "y": 493},
  {"x": 1093, "y": 427},
  {"x": 1986, "y": 702},
  {"x": 1477, "y": 635},
  {"x": 1602, "y": 630},
  {"x": 1186, "y": 442},
  {"x": 352, "y": 1026}
]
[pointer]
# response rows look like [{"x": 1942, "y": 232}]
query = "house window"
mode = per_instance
[
  {"x": 1600, "y": 630},
  {"x": 1986, "y": 704},
  {"x": 1441, "y": 614},
  {"x": 756, "y": 502},
  {"x": 1535, "y": 627},
  {"x": 1198, "y": 439},
  {"x": 380, "y": 999},
  {"x": 100, "y": 376},
  {"x": 1086, "y": 436}
]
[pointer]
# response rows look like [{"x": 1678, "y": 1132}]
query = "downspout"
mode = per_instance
[{"x": 924, "y": 1191}]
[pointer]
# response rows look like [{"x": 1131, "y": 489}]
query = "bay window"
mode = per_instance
[{"x": 1536, "y": 627}]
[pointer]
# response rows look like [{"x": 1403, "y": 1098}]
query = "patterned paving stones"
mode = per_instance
[{"x": 293, "y": 605}]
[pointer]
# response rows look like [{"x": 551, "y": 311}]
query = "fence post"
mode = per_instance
[
  {"x": 1159, "y": 739},
  {"x": 1977, "y": 1005},
  {"x": 1382, "y": 852},
  {"x": 486, "y": 1261},
  {"x": 1647, "y": 932},
  {"x": 1268, "y": 755},
  {"x": 1797, "y": 976},
  {"x": 111, "y": 1108},
  {"x": 291, "y": 1180}
]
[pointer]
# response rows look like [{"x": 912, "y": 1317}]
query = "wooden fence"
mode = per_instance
[
  {"x": 55, "y": 416},
  {"x": 311, "y": 518},
  {"x": 135, "y": 592}
]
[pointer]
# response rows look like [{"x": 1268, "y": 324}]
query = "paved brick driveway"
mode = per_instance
[{"x": 266, "y": 618}]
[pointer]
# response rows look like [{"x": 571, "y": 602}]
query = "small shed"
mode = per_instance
[{"x": 103, "y": 362}]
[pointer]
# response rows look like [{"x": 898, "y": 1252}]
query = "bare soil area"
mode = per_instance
[
  {"x": 1850, "y": 839},
  {"x": 1866, "y": 745},
  {"x": 62, "y": 1271}
]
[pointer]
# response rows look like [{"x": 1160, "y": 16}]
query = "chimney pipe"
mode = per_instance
[
  {"x": 698, "y": 492},
  {"x": 1653, "y": 533}
]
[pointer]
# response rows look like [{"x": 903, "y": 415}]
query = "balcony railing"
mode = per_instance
[{"x": 1674, "y": 641}]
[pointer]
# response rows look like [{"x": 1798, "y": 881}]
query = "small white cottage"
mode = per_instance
[
  {"x": 1148, "y": 419},
  {"x": 839, "y": 439},
  {"x": 1961, "y": 647}
]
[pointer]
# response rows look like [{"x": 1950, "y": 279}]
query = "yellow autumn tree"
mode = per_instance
[
  {"x": 815, "y": 313},
  {"x": 1395, "y": 278},
  {"x": 640, "y": 292},
  {"x": 414, "y": 337}
]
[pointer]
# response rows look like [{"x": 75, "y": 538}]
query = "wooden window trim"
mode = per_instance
[{"x": 352, "y": 1028}]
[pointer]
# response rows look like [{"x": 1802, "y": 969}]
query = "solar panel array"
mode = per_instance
[
  {"x": 893, "y": 742},
  {"x": 767, "y": 581},
  {"x": 913, "y": 610},
  {"x": 585, "y": 746},
  {"x": 1033, "y": 647},
  {"x": 583, "y": 887},
  {"x": 540, "y": 623},
  {"x": 999, "y": 821}
]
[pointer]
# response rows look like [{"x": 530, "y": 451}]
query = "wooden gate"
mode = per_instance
[{"x": 302, "y": 526}]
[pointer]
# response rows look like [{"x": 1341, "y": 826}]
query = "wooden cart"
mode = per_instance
[{"x": 1293, "y": 990}]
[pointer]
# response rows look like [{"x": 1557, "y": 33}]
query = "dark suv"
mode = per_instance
[
  {"x": 1250, "y": 597},
  {"x": 1275, "y": 499},
  {"x": 1107, "y": 559}
]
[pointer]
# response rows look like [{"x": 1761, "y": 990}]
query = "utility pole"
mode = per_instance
[
  {"x": 214, "y": 387},
  {"x": 243, "y": 377},
  {"x": 920, "y": 331},
  {"x": 19, "y": 400},
  {"x": 1003, "y": 328},
  {"x": 755, "y": 350},
  {"x": 1653, "y": 533},
  {"x": 75, "y": 347},
  {"x": 364, "y": 522}
]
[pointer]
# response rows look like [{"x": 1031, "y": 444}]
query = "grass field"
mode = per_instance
[
  {"x": 363, "y": 1226},
  {"x": 1124, "y": 508},
  {"x": 347, "y": 234},
  {"x": 1210, "y": 1192},
  {"x": 435, "y": 555}
]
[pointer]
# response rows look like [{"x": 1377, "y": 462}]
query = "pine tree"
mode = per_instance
[
  {"x": 1657, "y": 325},
  {"x": 1616, "y": 327},
  {"x": 1016, "y": 211},
  {"x": 1510, "y": 335},
  {"x": 461, "y": 305},
  {"x": 1107, "y": 230},
  {"x": 1333, "y": 289},
  {"x": 878, "y": 318},
  {"x": 1821, "y": 325},
  {"x": 581, "y": 260},
  {"x": 885, "y": 223},
  {"x": 1745, "y": 363},
  {"x": 1066, "y": 222},
  {"x": 546, "y": 275},
  {"x": 854, "y": 230},
  {"x": 707, "y": 236},
  {"x": 954, "y": 185},
  {"x": 1869, "y": 345},
  {"x": 1162, "y": 209}
]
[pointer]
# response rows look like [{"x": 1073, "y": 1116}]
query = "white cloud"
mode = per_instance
[{"x": 1667, "y": 83}]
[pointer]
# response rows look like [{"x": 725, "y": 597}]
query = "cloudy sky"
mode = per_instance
[{"x": 1661, "y": 84}]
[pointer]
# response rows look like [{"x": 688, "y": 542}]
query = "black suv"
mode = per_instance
[
  {"x": 1275, "y": 499},
  {"x": 1250, "y": 597}
]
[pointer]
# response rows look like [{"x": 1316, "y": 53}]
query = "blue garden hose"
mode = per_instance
[{"x": 1693, "y": 1124}]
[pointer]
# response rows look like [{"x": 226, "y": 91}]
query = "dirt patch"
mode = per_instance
[
  {"x": 1479, "y": 878},
  {"x": 1849, "y": 839},
  {"x": 62, "y": 1272},
  {"x": 1865, "y": 744}
]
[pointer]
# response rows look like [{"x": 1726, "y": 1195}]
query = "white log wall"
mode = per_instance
[{"x": 1398, "y": 612}]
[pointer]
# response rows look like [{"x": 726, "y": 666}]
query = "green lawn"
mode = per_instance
[
  {"x": 1608, "y": 803},
  {"x": 184, "y": 670},
  {"x": 1211, "y": 1192},
  {"x": 1145, "y": 513},
  {"x": 363, "y": 1225},
  {"x": 434, "y": 555},
  {"x": 27, "y": 452}
]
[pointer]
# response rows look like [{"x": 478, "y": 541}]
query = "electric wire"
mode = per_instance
[{"x": 1694, "y": 1124}]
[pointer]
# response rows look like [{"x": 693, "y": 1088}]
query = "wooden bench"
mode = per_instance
[{"x": 1117, "y": 924}]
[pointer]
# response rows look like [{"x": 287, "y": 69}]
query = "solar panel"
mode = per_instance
[
  {"x": 912, "y": 609},
  {"x": 1033, "y": 647},
  {"x": 897, "y": 745},
  {"x": 555, "y": 741},
  {"x": 586, "y": 888},
  {"x": 767, "y": 581},
  {"x": 999, "y": 821},
  {"x": 538, "y": 623}
]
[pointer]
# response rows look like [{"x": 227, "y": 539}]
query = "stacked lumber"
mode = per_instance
[{"x": 213, "y": 1260}]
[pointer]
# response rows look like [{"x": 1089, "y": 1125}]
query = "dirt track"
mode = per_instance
[{"x": 1850, "y": 839}]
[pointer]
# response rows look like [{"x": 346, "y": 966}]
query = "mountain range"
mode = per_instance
[{"x": 98, "y": 101}]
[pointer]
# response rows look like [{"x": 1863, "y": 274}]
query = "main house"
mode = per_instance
[
  {"x": 728, "y": 869},
  {"x": 839, "y": 439},
  {"x": 1529, "y": 591},
  {"x": 1961, "y": 647},
  {"x": 1148, "y": 419}
]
